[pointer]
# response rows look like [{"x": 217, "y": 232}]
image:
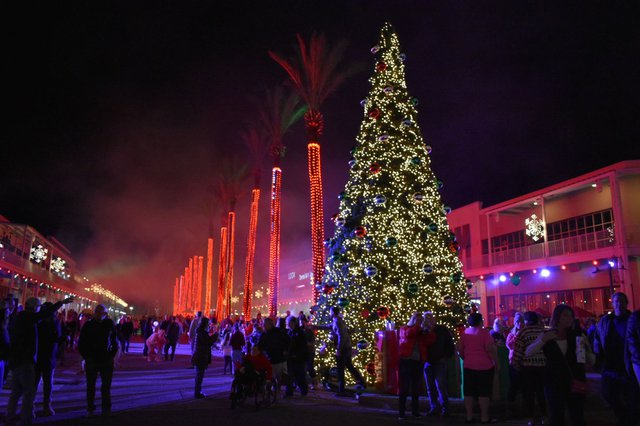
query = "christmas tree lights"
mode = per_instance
[
  {"x": 392, "y": 252},
  {"x": 208, "y": 281},
  {"x": 251, "y": 252},
  {"x": 274, "y": 241}
]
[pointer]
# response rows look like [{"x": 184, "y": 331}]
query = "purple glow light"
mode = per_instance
[
  {"x": 612, "y": 263},
  {"x": 545, "y": 273},
  {"x": 503, "y": 278}
]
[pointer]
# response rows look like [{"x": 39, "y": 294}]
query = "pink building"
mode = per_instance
[{"x": 574, "y": 242}]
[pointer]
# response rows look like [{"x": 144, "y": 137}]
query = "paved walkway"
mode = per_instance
[{"x": 161, "y": 393}]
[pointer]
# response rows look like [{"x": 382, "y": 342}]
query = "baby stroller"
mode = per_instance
[{"x": 251, "y": 383}]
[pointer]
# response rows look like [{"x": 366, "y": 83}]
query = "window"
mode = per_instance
[{"x": 580, "y": 225}]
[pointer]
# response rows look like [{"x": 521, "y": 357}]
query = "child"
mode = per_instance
[
  {"x": 226, "y": 352},
  {"x": 155, "y": 343}
]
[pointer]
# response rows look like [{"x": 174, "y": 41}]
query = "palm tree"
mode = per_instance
[
  {"x": 315, "y": 75},
  {"x": 256, "y": 144},
  {"x": 228, "y": 189},
  {"x": 277, "y": 113}
]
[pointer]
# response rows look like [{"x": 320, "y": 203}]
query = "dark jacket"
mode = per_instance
[
  {"x": 604, "y": 327},
  {"x": 274, "y": 343},
  {"x": 443, "y": 347},
  {"x": 633, "y": 338},
  {"x": 298, "y": 351},
  {"x": 4, "y": 340},
  {"x": 173, "y": 332},
  {"x": 49, "y": 335},
  {"x": 23, "y": 332},
  {"x": 562, "y": 369},
  {"x": 202, "y": 354},
  {"x": 237, "y": 341},
  {"x": 98, "y": 341}
]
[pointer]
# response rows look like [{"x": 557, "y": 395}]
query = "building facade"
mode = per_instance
[{"x": 575, "y": 242}]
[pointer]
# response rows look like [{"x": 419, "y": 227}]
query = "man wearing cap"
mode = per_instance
[{"x": 23, "y": 332}]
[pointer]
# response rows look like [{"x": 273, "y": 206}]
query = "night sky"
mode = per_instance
[{"x": 120, "y": 112}]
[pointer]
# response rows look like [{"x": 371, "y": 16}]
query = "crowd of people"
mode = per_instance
[{"x": 547, "y": 365}]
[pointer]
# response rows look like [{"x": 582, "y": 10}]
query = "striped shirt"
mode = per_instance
[{"x": 525, "y": 337}]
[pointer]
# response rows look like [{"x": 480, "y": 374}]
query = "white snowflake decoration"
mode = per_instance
[
  {"x": 259, "y": 294},
  {"x": 58, "y": 265},
  {"x": 611, "y": 231},
  {"x": 535, "y": 227},
  {"x": 39, "y": 253},
  {"x": 235, "y": 300}
]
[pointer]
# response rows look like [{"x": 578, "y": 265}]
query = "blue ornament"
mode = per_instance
[
  {"x": 379, "y": 199},
  {"x": 429, "y": 149},
  {"x": 418, "y": 197},
  {"x": 391, "y": 241},
  {"x": 407, "y": 122},
  {"x": 388, "y": 90},
  {"x": 375, "y": 49},
  {"x": 363, "y": 102},
  {"x": 352, "y": 162},
  {"x": 343, "y": 302},
  {"x": 383, "y": 137},
  {"x": 433, "y": 227},
  {"x": 371, "y": 271},
  {"x": 439, "y": 183},
  {"x": 402, "y": 57},
  {"x": 446, "y": 210},
  {"x": 362, "y": 344},
  {"x": 340, "y": 221},
  {"x": 427, "y": 268}
]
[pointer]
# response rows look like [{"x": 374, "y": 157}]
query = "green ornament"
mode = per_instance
[
  {"x": 515, "y": 280},
  {"x": 342, "y": 195},
  {"x": 391, "y": 241},
  {"x": 343, "y": 302},
  {"x": 413, "y": 288},
  {"x": 416, "y": 161},
  {"x": 433, "y": 227}
]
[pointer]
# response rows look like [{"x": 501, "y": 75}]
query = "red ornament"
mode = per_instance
[
  {"x": 335, "y": 216},
  {"x": 454, "y": 246},
  {"x": 374, "y": 113},
  {"x": 381, "y": 66},
  {"x": 375, "y": 168},
  {"x": 371, "y": 368},
  {"x": 327, "y": 289},
  {"x": 365, "y": 313},
  {"x": 383, "y": 312},
  {"x": 361, "y": 231}
]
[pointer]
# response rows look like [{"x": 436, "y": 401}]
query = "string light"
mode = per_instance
[
  {"x": 317, "y": 216},
  {"x": 230, "y": 259},
  {"x": 208, "y": 282},
  {"x": 222, "y": 262},
  {"x": 251, "y": 252},
  {"x": 274, "y": 241}
]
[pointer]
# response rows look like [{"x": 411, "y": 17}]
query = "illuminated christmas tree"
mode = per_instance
[{"x": 392, "y": 252}]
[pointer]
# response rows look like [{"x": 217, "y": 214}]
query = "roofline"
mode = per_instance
[{"x": 616, "y": 167}]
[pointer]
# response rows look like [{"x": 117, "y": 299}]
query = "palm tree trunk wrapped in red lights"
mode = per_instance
[
  {"x": 176, "y": 296},
  {"x": 277, "y": 113},
  {"x": 199, "y": 291},
  {"x": 251, "y": 253},
  {"x": 194, "y": 272},
  {"x": 191, "y": 290},
  {"x": 222, "y": 263},
  {"x": 274, "y": 243},
  {"x": 231, "y": 223},
  {"x": 208, "y": 280},
  {"x": 256, "y": 145},
  {"x": 314, "y": 74}
]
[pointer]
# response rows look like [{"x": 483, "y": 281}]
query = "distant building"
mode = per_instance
[
  {"x": 573, "y": 242},
  {"x": 32, "y": 265}
]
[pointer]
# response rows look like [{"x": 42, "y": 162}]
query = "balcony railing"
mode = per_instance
[{"x": 576, "y": 244}]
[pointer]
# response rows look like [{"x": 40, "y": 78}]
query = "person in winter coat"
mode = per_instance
[
  {"x": 237, "y": 344},
  {"x": 274, "y": 343},
  {"x": 619, "y": 388},
  {"x": 98, "y": 345},
  {"x": 23, "y": 335},
  {"x": 413, "y": 346},
  {"x": 201, "y": 357},
  {"x": 297, "y": 359},
  {"x": 515, "y": 381},
  {"x": 49, "y": 336},
  {"x": 565, "y": 381},
  {"x": 436, "y": 366},
  {"x": 173, "y": 334},
  {"x": 633, "y": 337}
]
